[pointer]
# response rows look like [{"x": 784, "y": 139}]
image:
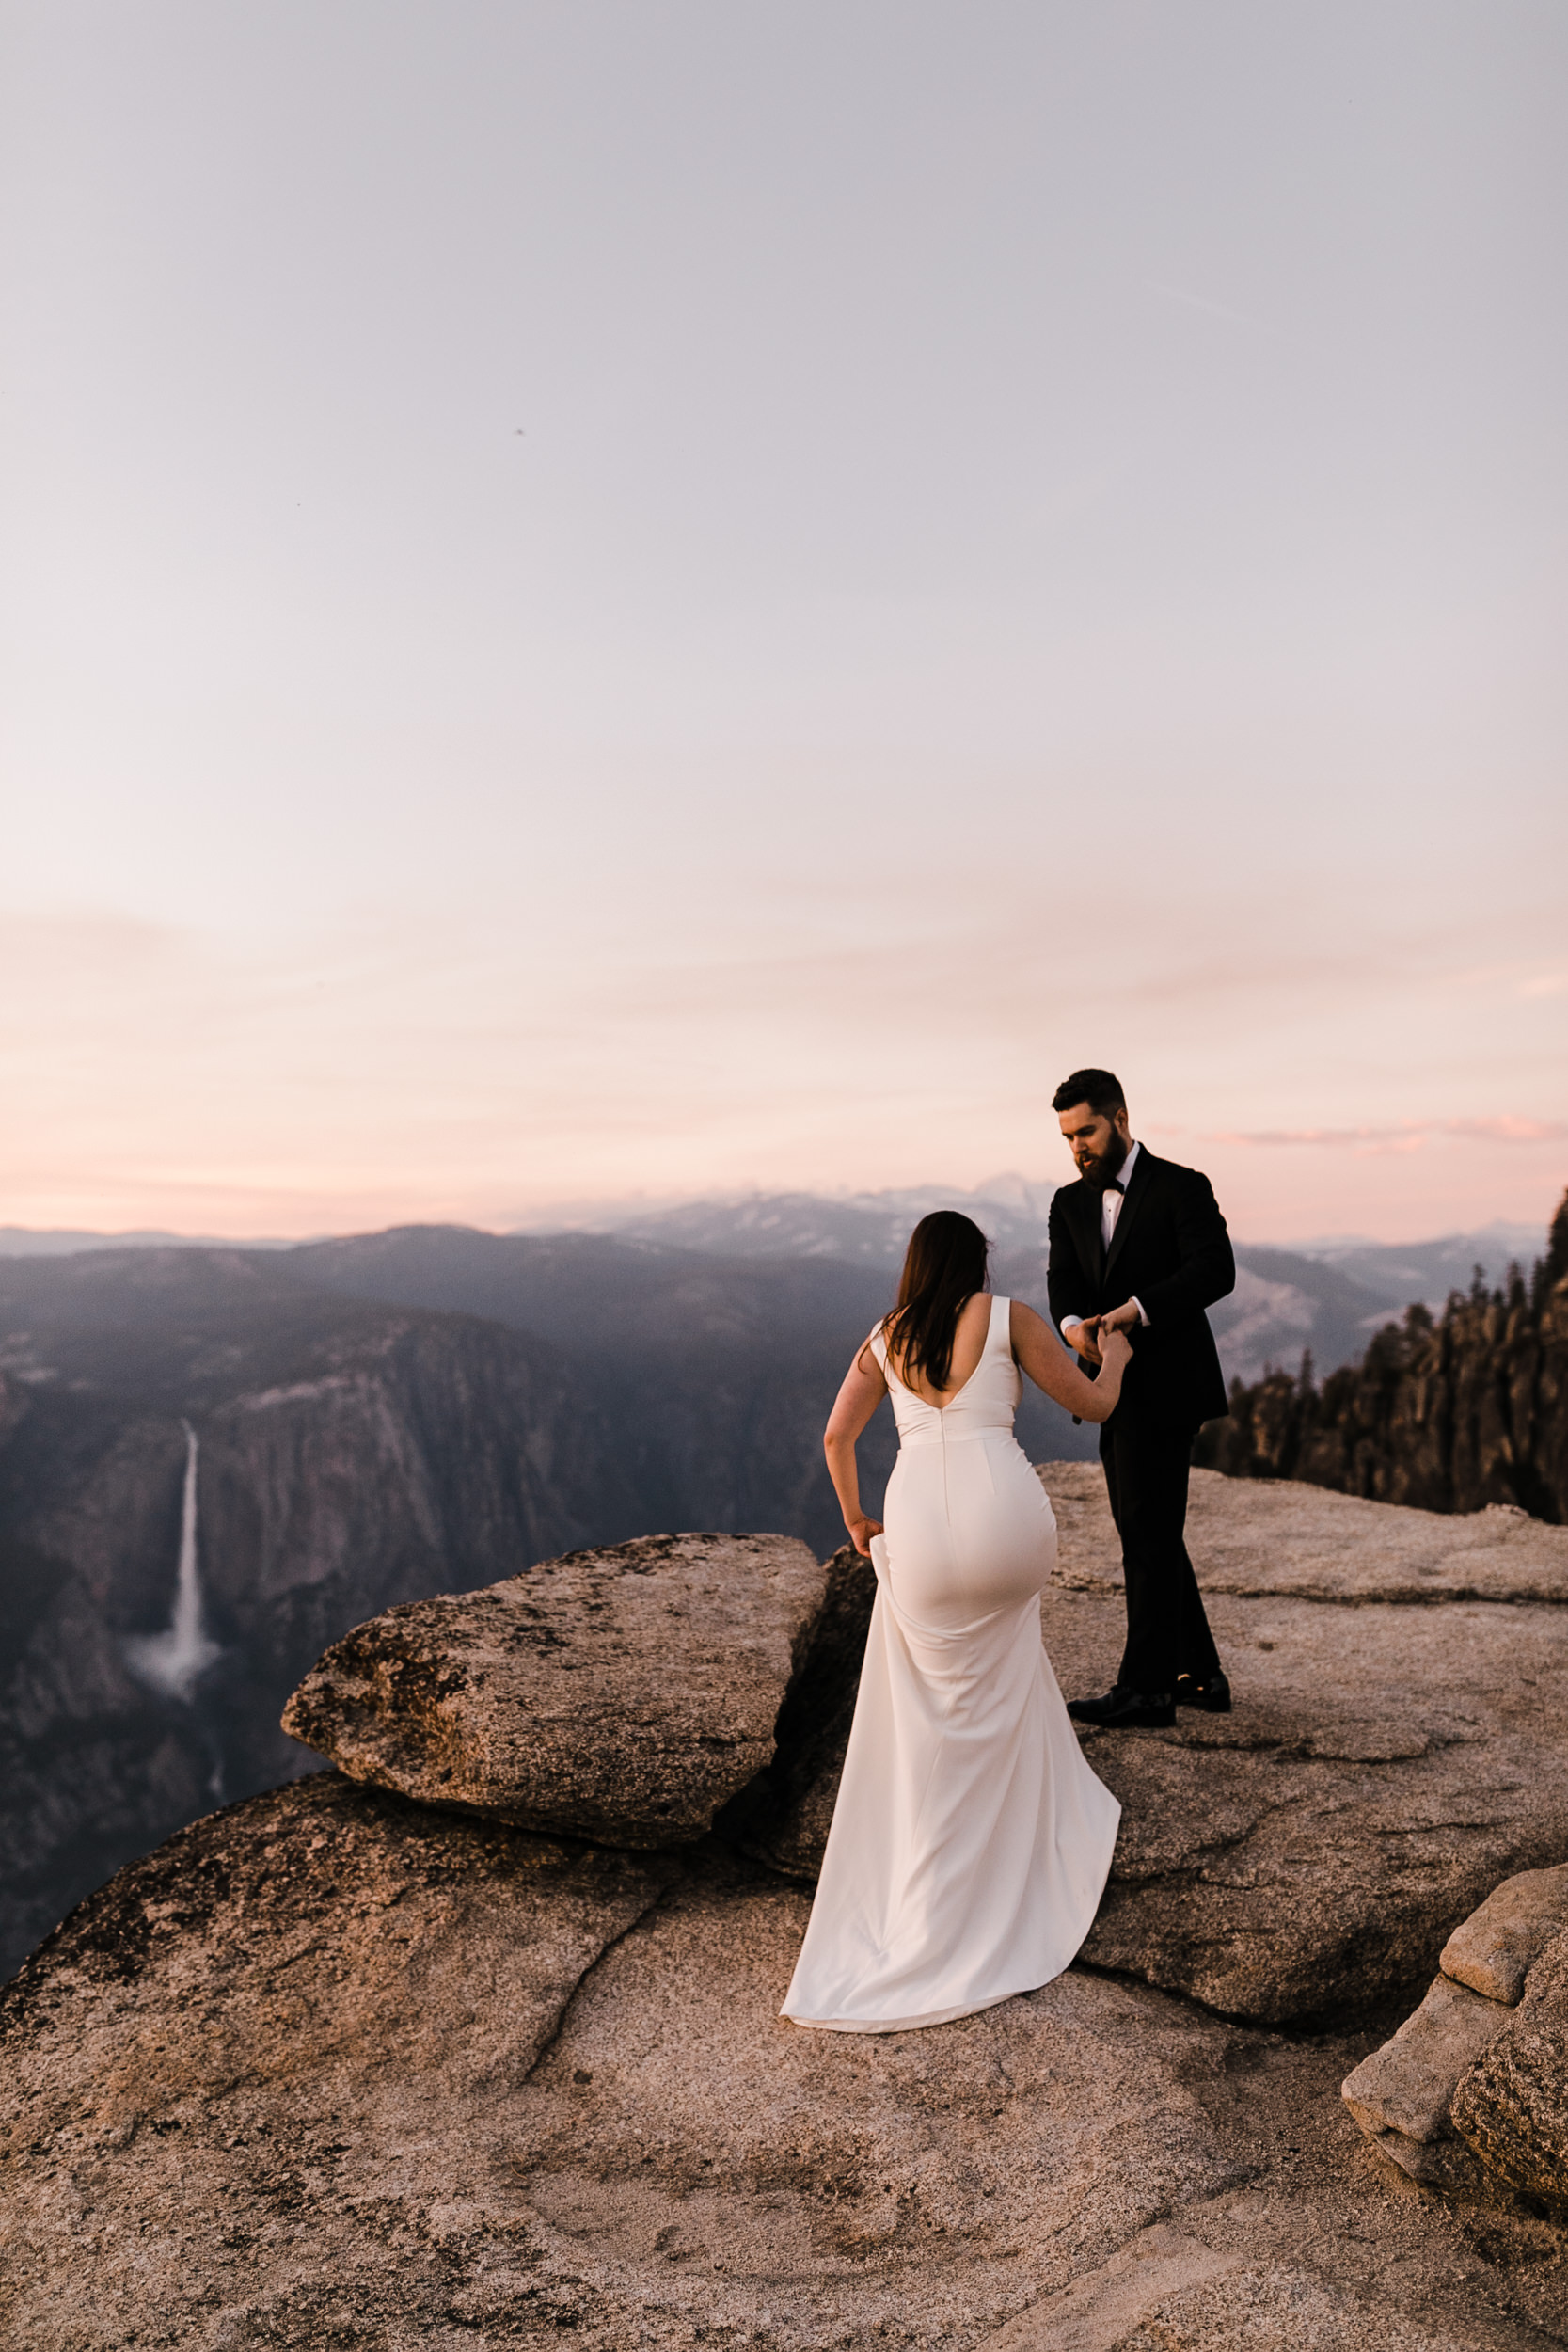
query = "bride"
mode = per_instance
[{"x": 971, "y": 1842}]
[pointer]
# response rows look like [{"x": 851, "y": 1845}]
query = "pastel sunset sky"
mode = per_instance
[{"x": 656, "y": 596}]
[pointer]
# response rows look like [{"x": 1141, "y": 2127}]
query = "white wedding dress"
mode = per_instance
[{"x": 971, "y": 1842}]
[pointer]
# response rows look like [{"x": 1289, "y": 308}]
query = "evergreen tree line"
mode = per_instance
[{"x": 1450, "y": 1413}]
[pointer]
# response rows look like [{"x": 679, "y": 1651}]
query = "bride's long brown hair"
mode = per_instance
[{"x": 944, "y": 1264}]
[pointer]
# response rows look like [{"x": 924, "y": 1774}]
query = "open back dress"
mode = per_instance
[{"x": 971, "y": 1842}]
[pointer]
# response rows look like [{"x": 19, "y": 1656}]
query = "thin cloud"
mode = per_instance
[
  {"x": 1407, "y": 1137},
  {"x": 1505, "y": 1130}
]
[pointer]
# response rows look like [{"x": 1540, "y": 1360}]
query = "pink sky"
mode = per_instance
[
  {"x": 686, "y": 600},
  {"x": 366, "y": 1078}
]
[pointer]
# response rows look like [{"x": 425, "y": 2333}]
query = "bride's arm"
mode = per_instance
[
  {"x": 1041, "y": 1355},
  {"x": 858, "y": 1399}
]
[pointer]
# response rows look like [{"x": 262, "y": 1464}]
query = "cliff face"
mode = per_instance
[
  {"x": 1450, "y": 1415},
  {"x": 341, "y": 1458},
  {"x": 373, "y": 1420},
  {"x": 718, "y": 1373}
]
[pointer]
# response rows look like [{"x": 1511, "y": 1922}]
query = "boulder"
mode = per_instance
[
  {"x": 335, "y": 2069},
  {"x": 1400, "y": 2094},
  {"x": 1469, "y": 2095},
  {"x": 623, "y": 1694},
  {"x": 1512, "y": 2106},
  {"x": 1399, "y": 1742},
  {"x": 1493, "y": 1950}
]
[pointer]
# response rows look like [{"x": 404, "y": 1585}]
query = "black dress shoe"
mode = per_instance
[
  {"x": 1213, "y": 1696},
  {"x": 1122, "y": 1709},
  {"x": 1096, "y": 1710}
]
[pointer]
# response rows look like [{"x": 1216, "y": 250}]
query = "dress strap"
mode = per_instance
[{"x": 1004, "y": 1319}]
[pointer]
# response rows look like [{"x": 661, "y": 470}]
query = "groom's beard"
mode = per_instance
[{"x": 1103, "y": 1168}]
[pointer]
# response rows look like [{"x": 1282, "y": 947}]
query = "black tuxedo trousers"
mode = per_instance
[
  {"x": 1146, "y": 1466},
  {"x": 1172, "y": 1253}
]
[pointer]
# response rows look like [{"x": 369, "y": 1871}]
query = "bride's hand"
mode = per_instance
[
  {"x": 1085, "y": 1339},
  {"x": 861, "y": 1532},
  {"x": 1115, "y": 1348}
]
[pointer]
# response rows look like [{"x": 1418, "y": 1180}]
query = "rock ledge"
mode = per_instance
[{"x": 622, "y": 1695}]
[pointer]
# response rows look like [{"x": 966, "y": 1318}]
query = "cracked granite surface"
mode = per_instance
[{"x": 332, "y": 2068}]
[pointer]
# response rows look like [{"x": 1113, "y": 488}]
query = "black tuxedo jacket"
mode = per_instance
[{"x": 1171, "y": 1252}]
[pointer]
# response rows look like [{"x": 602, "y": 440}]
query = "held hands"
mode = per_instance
[
  {"x": 860, "y": 1531},
  {"x": 1087, "y": 1342},
  {"x": 1095, "y": 1333},
  {"x": 1115, "y": 1348}
]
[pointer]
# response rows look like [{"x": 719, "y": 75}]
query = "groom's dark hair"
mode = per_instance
[{"x": 1099, "y": 1088}]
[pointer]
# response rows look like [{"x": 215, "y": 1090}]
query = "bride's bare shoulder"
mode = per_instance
[{"x": 1024, "y": 1323}]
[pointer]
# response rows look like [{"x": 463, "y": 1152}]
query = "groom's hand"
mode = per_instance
[
  {"x": 1124, "y": 1318},
  {"x": 1084, "y": 1337}
]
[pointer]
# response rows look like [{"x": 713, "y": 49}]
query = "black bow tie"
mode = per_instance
[{"x": 1117, "y": 1183}]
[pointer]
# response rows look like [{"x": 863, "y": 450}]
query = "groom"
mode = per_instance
[{"x": 1139, "y": 1245}]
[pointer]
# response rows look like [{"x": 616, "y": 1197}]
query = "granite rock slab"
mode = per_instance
[
  {"x": 1256, "y": 1537},
  {"x": 335, "y": 2069},
  {"x": 623, "y": 1694},
  {"x": 1169, "y": 2290}
]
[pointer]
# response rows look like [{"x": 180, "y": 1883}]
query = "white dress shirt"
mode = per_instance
[{"x": 1110, "y": 1209}]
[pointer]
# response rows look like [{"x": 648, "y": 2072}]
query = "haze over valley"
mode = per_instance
[{"x": 1328, "y": 1297}]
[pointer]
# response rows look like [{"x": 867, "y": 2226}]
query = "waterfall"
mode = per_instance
[{"x": 170, "y": 1661}]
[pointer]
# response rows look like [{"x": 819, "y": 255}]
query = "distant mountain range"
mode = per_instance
[
  {"x": 1329, "y": 1296},
  {"x": 68, "y": 1241}
]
